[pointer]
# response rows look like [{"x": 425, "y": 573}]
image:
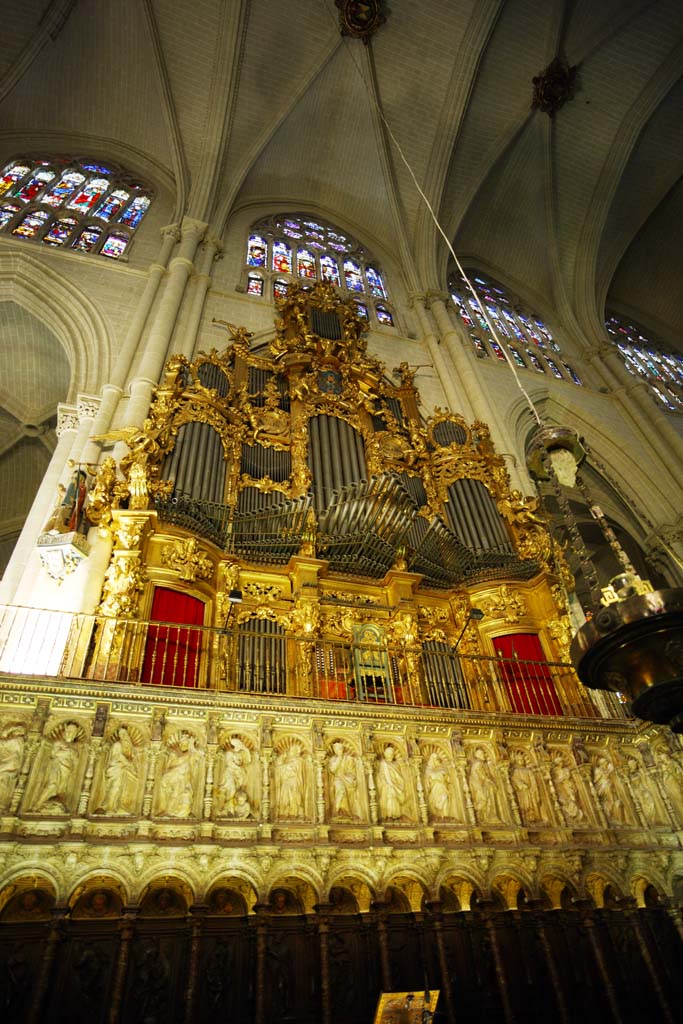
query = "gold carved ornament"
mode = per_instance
[{"x": 188, "y": 559}]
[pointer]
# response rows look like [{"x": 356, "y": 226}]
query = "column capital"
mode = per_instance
[
  {"x": 171, "y": 231},
  {"x": 433, "y": 296},
  {"x": 88, "y": 406},
  {"x": 191, "y": 228},
  {"x": 67, "y": 419}
]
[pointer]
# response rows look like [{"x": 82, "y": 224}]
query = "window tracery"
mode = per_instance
[
  {"x": 528, "y": 339},
  {"x": 644, "y": 357},
  {"x": 72, "y": 204},
  {"x": 293, "y": 247}
]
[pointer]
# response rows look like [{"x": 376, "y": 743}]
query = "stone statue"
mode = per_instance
[
  {"x": 646, "y": 793},
  {"x": 565, "y": 787},
  {"x": 343, "y": 769},
  {"x": 67, "y": 515},
  {"x": 53, "y": 790},
  {"x": 291, "y": 782},
  {"x": 606, "y": 787},
  {"x": 180, "y": 778},
  {"x": 527, "y": 791},
  {"x": 121, "y": 776},
  {"x": 436, "y": 785},
  {"x": 232, "y": 798},
  {"x": 672, "y": 780},
  {"x": 12, "y": 742},
  {"x": 391, "y": 786},
  {"x": 484, "y": 788}
]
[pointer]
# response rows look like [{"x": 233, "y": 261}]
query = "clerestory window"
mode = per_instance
[
  {"x": 72, "y": 204},
  {"x": 644, "y": 357},
  {"x": 295, "y": 247},
  {"x": 529, "y": 342}
]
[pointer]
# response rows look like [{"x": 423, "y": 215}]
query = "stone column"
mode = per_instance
[
  {"x": 489, "y": 914},
  {"x": 211, "y": 250},
  {"x": 380, "y": 912},
  {"x": 55, "y": 937},
  {"x": 466, "y": 363},
  {"x": 641, "y": 409},
  {"x": 586, "y": 909},
  {"x": 126, "y": 933},
  {"x": 113, "y": 390},
  {"x": 156, "y": 347},
  {"x": 196, "y": 921},
  {"x": 455, "y": 396},
  {"x": 536, "y": 909},
  {"x": 436, "y": 921},
  {"x": 261, "y": 913},
  {"x": 323, "y": 911},
  {"x": 43, "y": 503}
]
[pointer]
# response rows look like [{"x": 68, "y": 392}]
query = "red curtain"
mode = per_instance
[
  {"x": 526, "y": 675},
  {"x": 172, "y": 651}
]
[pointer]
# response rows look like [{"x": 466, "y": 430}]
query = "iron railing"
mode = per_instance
[{"x": 243, "y": 659}]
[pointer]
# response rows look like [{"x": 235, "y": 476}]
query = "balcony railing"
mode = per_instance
[{"x": 260, "y": 659}]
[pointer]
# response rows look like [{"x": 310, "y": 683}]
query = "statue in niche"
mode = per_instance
[
  {"x": 391, "y": 786},
  {"x": 29, "y": 905},
  {"x": 565, "y": 787},
  {"x": 527, "y": 790},
  {"x": 672, "y": 780},
  {"x": 342, "y": 766},
  {"x": 180, "y": 777},
  {"x": 151, "y": 983},
  {"x": 437, "y": 786},
  {"x": 53, "y": 789},
  {"x": 12, "y": 743},
  {"x": 646, "y": 793},
  {"x": 233, "y": 786},
  {"x": 291, "y": 782},
  {"x": 484, "y": 788},
  {"x": 121, "y": 776},
  {"x": 607, "y": 789}
]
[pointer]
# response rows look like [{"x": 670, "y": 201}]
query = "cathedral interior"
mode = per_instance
[{"x": 290, "y": 714}]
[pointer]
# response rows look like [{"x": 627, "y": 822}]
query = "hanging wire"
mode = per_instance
[{"x": 380, "y": 113}]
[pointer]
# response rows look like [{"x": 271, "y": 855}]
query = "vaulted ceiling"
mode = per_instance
[{"x": 263, "y": 102}]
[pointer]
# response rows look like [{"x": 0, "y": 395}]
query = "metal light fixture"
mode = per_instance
[
  {"x": 475, "y": 615},
  {"x": 235, "y": 597},
  {"x": 632, "y": 641}
]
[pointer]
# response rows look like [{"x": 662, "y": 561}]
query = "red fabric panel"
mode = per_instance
[
  {"x": 172, "y": 652},
  {"x": 526, "y": 675}
]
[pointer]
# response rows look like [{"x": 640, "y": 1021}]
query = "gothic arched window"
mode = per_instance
[
  {"x": 292, "y": 247},
  {"x": 73, "y": 204},
  {"x": 648, "y": 359},
  {"x": 529, "y": 342}
]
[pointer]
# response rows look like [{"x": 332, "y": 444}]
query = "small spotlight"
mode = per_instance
[
  {"x": 235, "y": 597},
  {"x": 476, "y": 614}
]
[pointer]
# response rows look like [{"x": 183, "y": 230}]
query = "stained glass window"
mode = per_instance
[
  {"x": 282, "y": 257},
  {"x": 84, "y": 200},
  {"x": 83, "y": 189},
  {"x": 11, "y": 176},
  {"x": 6, "y": 213},
  {"x": 60, "y": 231},
  {"x": 643, "y": 356},
  {"x": 305, "y": 263},
  {"x": 324, "y": 253},
  {"x": 479, "y": 346},
  {"x": 329, "y": 270},
  {"x": 352, "y": 276},
  {"x": 362, "y": 311},
  {"x": 87, "y": 239},
  {"x": 375, "y": 282},
  {"x": 531, "y": 336},
  {"x": 257, "y": 248},
  {"x": 34, "y": 186},
  {"x": 113, "y": 204},
  {"x": 279, "y": 289},
  {"x": 114, "y": 246},
  {"x": 254, "y": 285},
  {"x": 64, "y": 189},
  {"x": 136, "y": 211},
  {"x": 30, "y": 225}
]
